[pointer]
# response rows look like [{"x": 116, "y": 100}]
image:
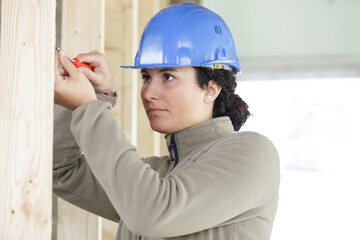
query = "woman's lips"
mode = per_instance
[{"x": 155, "y": 110}]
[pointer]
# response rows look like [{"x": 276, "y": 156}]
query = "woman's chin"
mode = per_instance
[
  {"x": 160, "y": 127},
  {"x": 160, "y": 130}
]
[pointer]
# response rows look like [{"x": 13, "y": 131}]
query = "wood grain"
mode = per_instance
[
  {"x": 119, "y": 51},
  {"x": 26, "y": 118},
  {"x": 124, "y": 23},
  {"x": 75, "y": 223},
  {"x": 82, "y": 31},
  {"x": 149, "y": 142}
]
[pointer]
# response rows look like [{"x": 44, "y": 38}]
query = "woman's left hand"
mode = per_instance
[
  {"x": 101, "y": 78},
  {"x": 72, "y": 87}
]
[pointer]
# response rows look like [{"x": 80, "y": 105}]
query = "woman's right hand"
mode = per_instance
[
  {"x": 72, "y": 87},
  {"x": 102, "y": 78}
]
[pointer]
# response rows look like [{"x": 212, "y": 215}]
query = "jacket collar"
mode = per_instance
[{"x": 182, "y": 143}]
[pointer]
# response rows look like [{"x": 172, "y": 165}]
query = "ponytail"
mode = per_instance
[{"x": 227, "y": 103}]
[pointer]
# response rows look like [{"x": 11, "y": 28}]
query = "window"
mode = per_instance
[{"x": 314, "y": 124}]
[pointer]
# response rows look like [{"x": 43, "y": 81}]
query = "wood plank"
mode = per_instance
[
  {"x": 82, "y": 31},
  {"x": 83, "y": 26},
  {"x": 146, "y": 146},
  {"x": 119, "y": 51},
  {"x": 124, "y": 23},
  {"x": 149, "y": 142},
  {"x": 79, "y": 226},
  {"x": 26, "y": 118}
]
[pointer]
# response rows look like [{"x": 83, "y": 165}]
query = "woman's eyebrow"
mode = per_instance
[
  {"x": 160, "y": 70},
  {"x": 167, "y": 70}
]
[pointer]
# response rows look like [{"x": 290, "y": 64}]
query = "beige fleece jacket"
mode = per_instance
[{"x": 223, "y": 187}]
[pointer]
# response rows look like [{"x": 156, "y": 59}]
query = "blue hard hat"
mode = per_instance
[{"x": 184, "y": 35}]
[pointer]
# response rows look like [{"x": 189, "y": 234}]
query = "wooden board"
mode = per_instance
[
  {"x": 26, "y": 118},
  {"x": 124, "y": 23},
  {"x": 149, "y": 142},
  {"x": 82, "y": 31},
  {"x": 119, "y": 51}
]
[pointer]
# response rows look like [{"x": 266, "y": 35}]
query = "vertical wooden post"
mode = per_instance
[
  {"x": 124, "y": 23},
  {"x": 149, "y": 142},
  {"x": 26, "y": 118},
  {"x": 82, "y": 31},
  {"x": 119, "y": 47},
  {"x": 119, "y": 51}
]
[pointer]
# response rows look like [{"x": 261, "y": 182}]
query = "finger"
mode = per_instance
[
  {"x": 57, "y": 63},
  {"x": 89, "y": 57},
  {"x": 94, "y": 58},
  {"x": 62, "y": 72},
  {"x": 90, "y": 74},
  {"x": 67, "y": 65}
]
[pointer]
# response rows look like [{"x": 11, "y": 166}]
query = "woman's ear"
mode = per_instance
[{"x": 212, "y": 91}]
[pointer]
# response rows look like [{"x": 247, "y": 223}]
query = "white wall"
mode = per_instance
[
  {"x": 314, "y": 124},
  {"x": 301, "y": 80},
  {"x": 289, "y": 29}
]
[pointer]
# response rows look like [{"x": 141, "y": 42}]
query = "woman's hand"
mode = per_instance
[
  {"x": 72, "y": 87},
  {"x": 102, "y": 78}
]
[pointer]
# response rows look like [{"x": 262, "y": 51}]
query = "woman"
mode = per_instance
[{"x": 215, "y": 184}]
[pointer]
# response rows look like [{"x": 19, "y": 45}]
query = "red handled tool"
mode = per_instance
[{"x": 76, "y": 61}]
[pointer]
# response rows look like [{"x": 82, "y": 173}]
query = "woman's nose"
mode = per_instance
[{"x": 151, "y": 90}]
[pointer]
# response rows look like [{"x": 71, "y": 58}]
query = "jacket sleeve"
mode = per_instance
[
  {"x": 73, "y": 179},
  {"x": 228, "y": 181}
]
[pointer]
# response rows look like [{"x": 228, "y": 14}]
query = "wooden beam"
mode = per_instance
[
  {"x": 82, "y": 31},
  {"x": 83, "y": 26},
  {"x": 149, "y": 142},
  {"x": 119, "y": 51},
  {"x": 26, "y": 118},
  {"x": 124, "y": 23},
  {"x": 75, "y": 223}
]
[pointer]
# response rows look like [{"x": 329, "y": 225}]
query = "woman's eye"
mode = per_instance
[
  {"x": 145, "y": 78},
  {"x": 168, "y": 77}
]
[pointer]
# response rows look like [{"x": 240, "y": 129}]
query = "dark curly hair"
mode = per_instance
[{"x": 227, "y": 103}]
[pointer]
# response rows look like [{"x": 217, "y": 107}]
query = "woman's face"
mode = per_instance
[{"x": 172, "y": 99}]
